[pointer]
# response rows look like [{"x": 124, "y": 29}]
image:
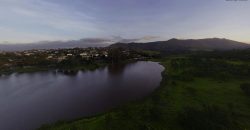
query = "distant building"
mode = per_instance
[
  {"x": 28, "y": 54},
  {"x": 105, "y": 54},
  {"x": 83, "y": 54},
  {"x": 61, "y": 58},
  {"x": 69, "y": 54},
  {"x": 49, "y": 57}
]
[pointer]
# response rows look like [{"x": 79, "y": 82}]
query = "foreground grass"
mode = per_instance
[{"x": 180, "y": 103}]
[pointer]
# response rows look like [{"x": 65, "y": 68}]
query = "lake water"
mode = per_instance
[{"x": 31, "y": 99}]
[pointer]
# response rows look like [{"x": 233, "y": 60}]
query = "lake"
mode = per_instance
[{"x": 29, "y": 100}]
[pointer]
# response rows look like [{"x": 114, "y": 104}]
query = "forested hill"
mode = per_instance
[{"x": 186, "y": 45}]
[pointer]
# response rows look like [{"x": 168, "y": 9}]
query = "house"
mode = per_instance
[
  {"x": 61, "y": 58},
  {"x": 28, "y": 54},
  {"x": 83, "y": 54},
  {"x": 105, "y": 54},
  {"x": 69, "y": 54},
  {"x": 49, "y": 57}
]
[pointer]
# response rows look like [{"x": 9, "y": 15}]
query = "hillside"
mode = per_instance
[{"x": 186, "y": 45}]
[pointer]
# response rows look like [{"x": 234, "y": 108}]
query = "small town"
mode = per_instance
[
  {"x": 70, "y": 59},
  {"x": 60, "y": 54}
]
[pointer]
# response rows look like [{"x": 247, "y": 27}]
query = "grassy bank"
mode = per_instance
[{"x": 195, "y": 94}]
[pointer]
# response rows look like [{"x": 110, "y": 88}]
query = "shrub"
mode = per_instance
[
  {"x": 208, "y": 118},
  {"x": 245, "y": 87}
]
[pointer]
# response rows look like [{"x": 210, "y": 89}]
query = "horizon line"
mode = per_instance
[{"x": 110, "y": 40}]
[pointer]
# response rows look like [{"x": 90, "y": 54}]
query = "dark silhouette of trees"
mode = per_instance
[
  {"x": 116, "y": 54},
  {"x": 245, "y": 87}
]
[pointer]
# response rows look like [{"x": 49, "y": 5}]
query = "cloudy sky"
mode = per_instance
[{"x": 38, "y": 20}]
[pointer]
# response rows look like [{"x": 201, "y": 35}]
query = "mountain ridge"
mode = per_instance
[
  {"x": 207, "y": 44},
  {"x": 168, "y": 45}
]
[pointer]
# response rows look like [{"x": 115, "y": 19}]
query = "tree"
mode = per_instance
[{"x": 116, "y": 54}]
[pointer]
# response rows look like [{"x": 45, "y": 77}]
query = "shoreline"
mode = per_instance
[{"x": 84, "y": 67}]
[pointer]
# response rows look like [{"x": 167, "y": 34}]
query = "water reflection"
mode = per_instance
[{"x": 116, "y": 69}]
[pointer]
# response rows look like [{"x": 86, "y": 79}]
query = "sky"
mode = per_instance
[{"x": 24, "y": 21}]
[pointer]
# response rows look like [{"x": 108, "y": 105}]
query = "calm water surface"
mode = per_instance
[{"x": 31, "y": 99}]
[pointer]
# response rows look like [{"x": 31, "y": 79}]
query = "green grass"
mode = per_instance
[{"x": 191, "y": 103}]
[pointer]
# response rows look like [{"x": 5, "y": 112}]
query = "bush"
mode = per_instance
[
  {"x": 245, "y": 87},
  {"x": 208, "y": 118}
]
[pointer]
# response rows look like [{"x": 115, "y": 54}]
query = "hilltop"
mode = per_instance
[{"x": 208, "y": 44}]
